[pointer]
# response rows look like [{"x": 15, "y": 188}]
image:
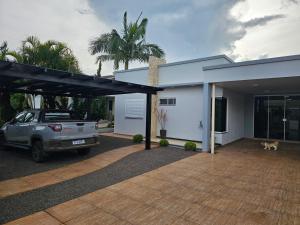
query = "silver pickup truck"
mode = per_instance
[{"x": 45, "y": 131}]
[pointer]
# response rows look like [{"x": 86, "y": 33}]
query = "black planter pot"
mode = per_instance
[{"x": 163, "y": 134}]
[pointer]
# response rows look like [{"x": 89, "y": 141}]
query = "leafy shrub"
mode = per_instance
[
  {"x": 190, "y": 146},
  {"x": 163, "y": 143},
  {"x": 138, "y": 138}
]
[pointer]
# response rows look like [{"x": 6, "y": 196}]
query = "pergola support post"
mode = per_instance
[{"x": 148, "y": 122}]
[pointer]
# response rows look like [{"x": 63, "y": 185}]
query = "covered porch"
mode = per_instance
[{"x": 260, "y": 99}]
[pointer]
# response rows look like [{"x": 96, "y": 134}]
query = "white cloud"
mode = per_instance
[
  {"x": 276, "y": 38},
  {"x": 71, "y": 21},
  {"x": 244, "y": 29},
  {"x": 169, "y": 18}
]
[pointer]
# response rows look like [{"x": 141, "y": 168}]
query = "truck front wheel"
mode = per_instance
[{"x": 38, "y": 153}]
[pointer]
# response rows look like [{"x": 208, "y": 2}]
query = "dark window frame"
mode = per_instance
[
  {"x": 221, "y": 117},
  {"x": 167, "y": 101}
]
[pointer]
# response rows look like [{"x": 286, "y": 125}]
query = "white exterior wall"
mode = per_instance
[
  {"x": 185, "y": 73},
  {"x": 256, "y": 71},
  {"x": 235, "y": 117},
  {"x": 123, "y": 124},
  {"x": 137, "y": 76},
  {"x": 183, "y": 120}
]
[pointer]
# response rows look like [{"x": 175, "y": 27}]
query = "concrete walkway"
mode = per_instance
[{"x": 241, "y": 184}]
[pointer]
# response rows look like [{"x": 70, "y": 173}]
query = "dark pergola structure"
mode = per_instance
[{"x": 29, "y": 79}]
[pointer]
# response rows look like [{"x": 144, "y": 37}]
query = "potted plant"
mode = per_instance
[{"x": 162, "y": 119}]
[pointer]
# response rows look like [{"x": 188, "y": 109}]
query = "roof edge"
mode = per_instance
[
  {"x": 179, "y": 63},
  {"x": 192, "y": 84},
  {"x": 253, "y": 62},
  {"x": 197, "y": 60},
  {"x": 131, "y": 70}
]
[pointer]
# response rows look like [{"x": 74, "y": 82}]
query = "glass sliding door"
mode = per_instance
[
  {"x": 261, "y": 117},
  {"x": 292, "y": 124},
  {"x": 277, "y": 117}
]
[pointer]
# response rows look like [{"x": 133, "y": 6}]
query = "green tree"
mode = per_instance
[
  {"x": 50, "y": 54},
  {"x": 53, "y": 55},
  {"x": 98, "y": 108},
  {"x": 127, "y": 46},
  {"x": 3, "y": 51},
  {"x": 6, "y": 110}
]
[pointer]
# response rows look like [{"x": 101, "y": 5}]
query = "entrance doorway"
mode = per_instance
[{"x": 277, "y": 117}]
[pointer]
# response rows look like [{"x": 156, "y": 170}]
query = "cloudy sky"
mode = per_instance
[{"x": 185, "y": 29}]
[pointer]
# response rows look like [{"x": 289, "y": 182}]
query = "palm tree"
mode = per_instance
[
  {"x": 50, "y": 54},
  {"x": 128, "y": 46}
]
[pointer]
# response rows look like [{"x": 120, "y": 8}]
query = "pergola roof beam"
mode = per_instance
[{"x": 49, "y": 81}]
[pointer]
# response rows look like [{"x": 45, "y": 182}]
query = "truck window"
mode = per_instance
[
  {"x": 20, "y": 117},
  {"x": 60, "y": 116},
  {"x": 29, "y": 117}
]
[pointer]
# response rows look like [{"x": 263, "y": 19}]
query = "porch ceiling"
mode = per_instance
[{"x": 286, "y": 85}]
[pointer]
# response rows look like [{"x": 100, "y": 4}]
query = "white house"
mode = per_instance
[{"x": 253, "y": 99}]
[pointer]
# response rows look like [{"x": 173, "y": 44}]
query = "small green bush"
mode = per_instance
[
  {"x": 138, "y": 138},
  {"x": 163, "y": 143},
  {"x": 190, "y": 146}
]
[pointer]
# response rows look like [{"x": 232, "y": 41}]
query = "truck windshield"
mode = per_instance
[{"x": 60, "y": 116}]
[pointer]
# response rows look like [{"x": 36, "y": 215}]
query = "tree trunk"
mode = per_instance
[
  {"x": 88, "y": 108},
  {"x": 126, "y": 64},
  {"x": 6, "y": 111},
  {"x": 49, "y": 102}
]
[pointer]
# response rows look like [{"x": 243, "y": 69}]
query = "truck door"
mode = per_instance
[
  {"x": 12, "y": 133},
  {"x": 25, "y": 128}
]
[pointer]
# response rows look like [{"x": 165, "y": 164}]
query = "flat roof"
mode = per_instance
[
  {"x": 254, "y": 62},
  {"x": 131, "y": 70},
  {"x": 197, "y": 60},
  {"x": 24, "y": 78},
  {"x": 180, "y": 63}
]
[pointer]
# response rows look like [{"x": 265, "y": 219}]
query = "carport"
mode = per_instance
[{"x": 29, "y": 79}]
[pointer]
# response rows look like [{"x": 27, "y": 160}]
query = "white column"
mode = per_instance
[
  {"x": 213, "y": 106},
  {"x": 206, "y": 119}
]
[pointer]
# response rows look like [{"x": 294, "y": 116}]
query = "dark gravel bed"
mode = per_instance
[
  {"x": 19, "y": 205},
  {"x": 18, "y": 162}
]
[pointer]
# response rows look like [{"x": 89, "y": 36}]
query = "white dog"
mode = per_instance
[{"x": 271, "y": 145}]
